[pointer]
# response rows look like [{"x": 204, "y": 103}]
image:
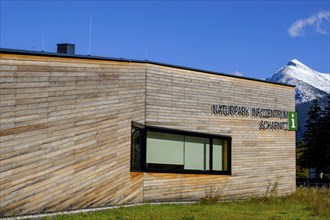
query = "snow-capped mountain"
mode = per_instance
[{"x": 309, "y": 83}]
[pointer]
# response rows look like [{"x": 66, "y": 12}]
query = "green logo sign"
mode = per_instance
[{"x": 293, "y": 121}]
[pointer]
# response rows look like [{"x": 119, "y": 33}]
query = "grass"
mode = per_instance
[{"x": 304, "y": 204}]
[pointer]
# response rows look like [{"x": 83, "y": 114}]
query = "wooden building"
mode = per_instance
[{"x": 82, "y": 132}]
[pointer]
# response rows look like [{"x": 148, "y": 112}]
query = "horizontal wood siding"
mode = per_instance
[
  {"x": 261, "y": 159},
  {"x": 65, "y": 133}
]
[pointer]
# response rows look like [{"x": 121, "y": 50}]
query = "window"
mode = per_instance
[
  {"x": 157, "y": 149},
  {"x": 196, "y": 153},
  {"x": 136, "y": 147}
]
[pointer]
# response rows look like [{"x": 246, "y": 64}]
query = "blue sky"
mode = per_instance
[{"x": 251, "y": 38}]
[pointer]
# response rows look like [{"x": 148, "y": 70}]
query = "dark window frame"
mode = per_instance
[
  {"x": 141, "y": 128},
  {"x": 163, "y": 168}
]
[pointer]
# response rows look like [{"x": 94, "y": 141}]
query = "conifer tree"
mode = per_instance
[
  {"x": 314, "y": 151},
  {"x": 310, "y": 148},
  {"x": 324, "y": 138}
]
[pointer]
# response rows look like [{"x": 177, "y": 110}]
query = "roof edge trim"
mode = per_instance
[{"x": 50, "y": 54}]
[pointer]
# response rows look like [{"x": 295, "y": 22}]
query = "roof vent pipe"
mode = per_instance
[{"x": 66, "y": 49}]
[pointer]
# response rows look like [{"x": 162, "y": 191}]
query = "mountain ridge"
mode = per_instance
[{"x": 310, "y": 84}]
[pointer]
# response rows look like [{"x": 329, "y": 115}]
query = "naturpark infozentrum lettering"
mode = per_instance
[{"x": 244, "y": 111}]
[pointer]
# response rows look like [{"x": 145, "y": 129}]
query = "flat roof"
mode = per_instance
[{"x": 50, "y": 54}]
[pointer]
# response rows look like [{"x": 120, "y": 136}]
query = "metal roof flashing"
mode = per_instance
[{"x": 50, "y": 54}]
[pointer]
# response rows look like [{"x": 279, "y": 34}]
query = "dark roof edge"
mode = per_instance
[{"x": 42, "y": 53}]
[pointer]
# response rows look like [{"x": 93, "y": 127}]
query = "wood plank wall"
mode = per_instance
[
  {"x": 182, "y": 99},
  {"x": 65, "y": 133}
]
